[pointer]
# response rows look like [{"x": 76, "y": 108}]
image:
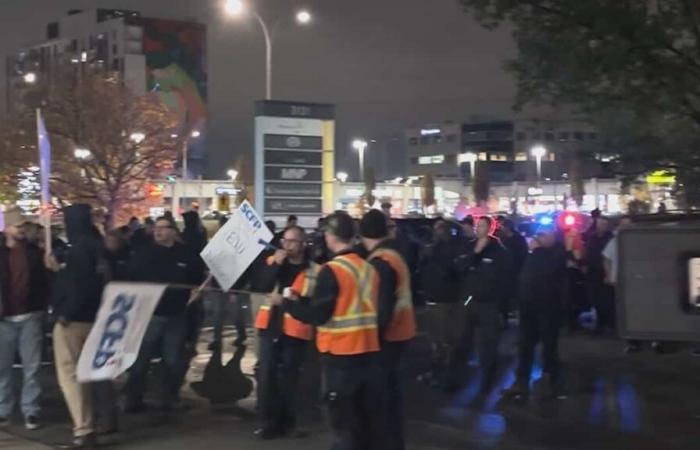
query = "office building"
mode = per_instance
[{"x": 162, "y": 57}]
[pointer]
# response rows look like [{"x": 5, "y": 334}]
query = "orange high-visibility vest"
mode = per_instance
[
  {"x": 304, "y": 285},
  {"x": 352, "y": 330},
  {"x": 402, "y": 325}
]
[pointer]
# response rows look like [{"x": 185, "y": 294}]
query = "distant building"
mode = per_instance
[
  {"x": 159, "y": 56},
  {"x": 450, "y": 150}
]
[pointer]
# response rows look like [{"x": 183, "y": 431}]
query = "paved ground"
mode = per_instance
[{"x": 642, "y": 401}]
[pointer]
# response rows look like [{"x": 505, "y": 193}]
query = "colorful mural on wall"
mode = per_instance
[{"x": 177, "y": 72}]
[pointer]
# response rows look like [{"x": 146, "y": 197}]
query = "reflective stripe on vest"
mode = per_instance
[
  {"x": 353, "y": 328},
  {"x": 402, "y": 325},
  {"x": 304, "y": 284}
]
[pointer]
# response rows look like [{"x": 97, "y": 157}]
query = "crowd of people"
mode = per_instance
[{"x": 351, "y": 286}]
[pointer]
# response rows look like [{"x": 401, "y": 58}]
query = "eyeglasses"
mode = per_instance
[
  {"x": 292, "y": 241},
  {"x": 164, "y": 227}
]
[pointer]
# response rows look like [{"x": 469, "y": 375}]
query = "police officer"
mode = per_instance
[
  {"x": 396, "y": 318},
  {"x": 282, "y": 338},
  {"x": 344, "y": 307},
  {"x": 541, "y": 288}
]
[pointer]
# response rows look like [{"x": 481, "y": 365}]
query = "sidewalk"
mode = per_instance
[{"x": 642, "y": 401}]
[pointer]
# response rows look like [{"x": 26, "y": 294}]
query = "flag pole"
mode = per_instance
[{"x": 44, "y": 148}]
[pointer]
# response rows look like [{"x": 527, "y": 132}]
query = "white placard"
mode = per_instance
[
  {"x": 115, "y": 339},
  {"x": 694, "y": 282},
  {"x": 236, "y": 245}
]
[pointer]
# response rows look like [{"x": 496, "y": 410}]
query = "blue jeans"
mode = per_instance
[
  {"x": 165, "y": 337},
  {"x": 25, "y": 337}
]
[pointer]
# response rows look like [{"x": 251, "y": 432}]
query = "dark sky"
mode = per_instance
[{"x": 386, "y": 64}]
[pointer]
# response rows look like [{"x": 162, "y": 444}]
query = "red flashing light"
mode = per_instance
[{"x": 569, "y": 220}]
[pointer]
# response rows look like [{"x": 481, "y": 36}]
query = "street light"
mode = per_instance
[
  {"x": 303, "y": 17},
  {"x": 342, "y": 176},
  {"x": 360, "y": 145},
  {"x": 82, "y": 153},
  {"x": 30, "y": 78},
  {"x": 195, "y": 134},
  {"x": 232, "y": 174},
  {"x": 137, "y": 137},
  {"x": 538, "y": 151},
  {"x": 236, "y": 8}
]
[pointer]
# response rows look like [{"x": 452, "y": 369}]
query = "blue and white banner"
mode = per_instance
[{"x": 115, "y": 339}]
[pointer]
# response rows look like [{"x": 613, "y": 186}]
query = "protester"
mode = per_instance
[
  {"x": 386, "y": 209},
  {"x": 516, "y": 245},
  {"x": 142, "y": 235},
  {"x": 600, "y": 294},
  {"x": 484, "y": 276},
  {"x": 577, "y": 298},
  {"x": 164, "y": 261},
  {"x": 283, "y": 339},
  {"x": 396, "y": 318},
  {"x": 117, "y": 254},
  {"x": 344, "y": 307},
  {"x": 76, "y": 299},
  {"x": 194, "y": 234},
  {"x": 611, "y": 262},
  {"x": 24, "y": 294},
  {"x": 292, "y": 221},
  {"x": 440, "y": 285},
  {"x": 541, "y": 290}
]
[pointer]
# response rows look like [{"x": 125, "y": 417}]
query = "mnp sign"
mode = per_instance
[{"x": 115, "y": 339}]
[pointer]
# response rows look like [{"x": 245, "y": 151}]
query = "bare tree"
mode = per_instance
[{"x": 107, "y": 142}]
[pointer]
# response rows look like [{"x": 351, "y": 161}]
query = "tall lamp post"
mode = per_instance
[
  {"x": 360, "y": 145},
  {"x": 236, "y": 8},
  {"x": 538, "y": 151}
]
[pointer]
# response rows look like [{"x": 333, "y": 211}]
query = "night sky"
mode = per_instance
[{"x": 386, "y": 64}]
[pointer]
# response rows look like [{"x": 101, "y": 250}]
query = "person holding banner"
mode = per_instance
[
  {"x": 282, "y": 338},
  {"x": 24, "y": 294},
  {"x": 77, "y": 294},
  {"x": 170, "y": 262},
  {"x": 344, "y": 308}
]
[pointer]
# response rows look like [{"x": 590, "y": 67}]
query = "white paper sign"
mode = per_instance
[
  {"x": 694, "y": 282},
  {"x": 236, "y": 245},
  {"x": 115, "y": 339}
]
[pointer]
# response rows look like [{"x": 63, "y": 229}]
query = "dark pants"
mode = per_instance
[
  {"x": 391, "y": 361},
  {"x": 278, "y": 381},
  {"x": 486, "y": 317},
  {"x": 165, "y": 336},
  {"x": 539, "y": 325},
  {"x": 577, "y": 299},
  {"x": 603, "y": 299},
  {"x": 355, "y": 399}
]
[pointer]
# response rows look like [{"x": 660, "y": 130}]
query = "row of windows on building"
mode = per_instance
[
  {"x": 562, "y": 136},
  {"x": 548, "y": 136},
  {"x": 433, "y": 139},
  {"x": 481, "y": 156}
]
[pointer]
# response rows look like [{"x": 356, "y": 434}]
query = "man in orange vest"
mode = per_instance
[
  {"x": 344, "y": 308},
  {"x": 396, "y": 318},
  {"x": 282, "y": 338}
]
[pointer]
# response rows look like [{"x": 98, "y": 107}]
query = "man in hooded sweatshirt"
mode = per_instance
[{"x": 77, "y": 295}]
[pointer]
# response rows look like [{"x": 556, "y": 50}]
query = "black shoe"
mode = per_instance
[
  {"x": 86, "y": 442},
  {"x": 518, "y": 391},
  {"x": 267, "y": 434},
  {"x": 135, "y": 407},
  {"x": 4, "y": 421},
  {"x": 297, "y": 433},
  {"x": 31, "y": 423}
]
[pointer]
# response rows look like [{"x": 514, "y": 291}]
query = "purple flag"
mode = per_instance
[{"x": 44, "y": 158}]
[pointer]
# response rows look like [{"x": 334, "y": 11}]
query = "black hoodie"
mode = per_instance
[{"x": 80, "y": 281}]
